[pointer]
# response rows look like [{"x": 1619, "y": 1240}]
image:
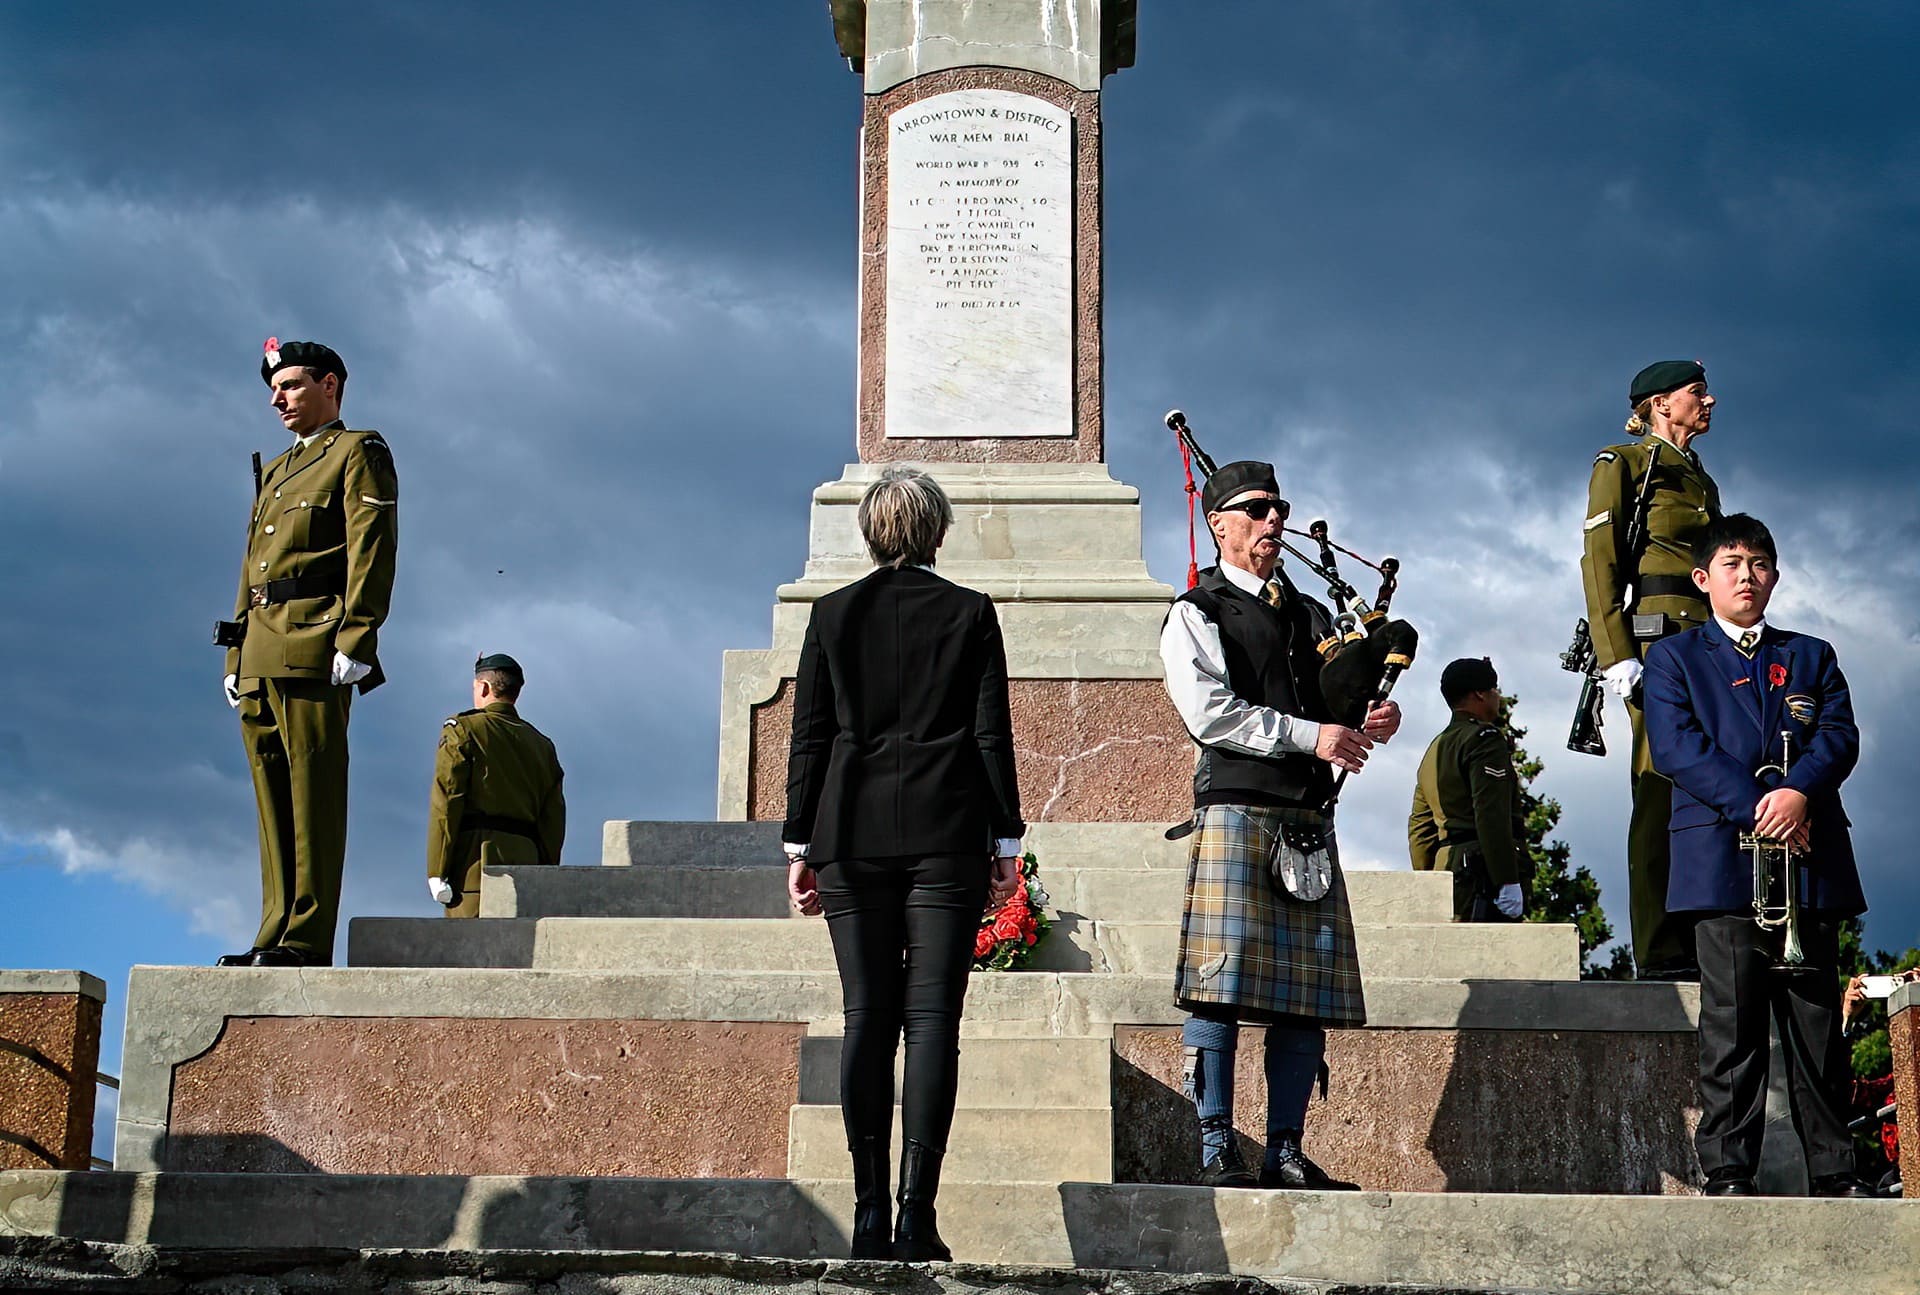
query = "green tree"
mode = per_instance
[
  {"x": 1559, "y": 892},
  {"x": 1872, "y": 1051}
]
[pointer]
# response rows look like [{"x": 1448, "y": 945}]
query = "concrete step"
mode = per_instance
[
  {"x": 652, "y": 844},
  {"x": 759, "y": 889},
  {"x": 1520, "y": 951},
  {"x": 1562, "y": 1245},
  {"x": 1041, "y": 1145},
  {"x": 994, "y": 1073}
]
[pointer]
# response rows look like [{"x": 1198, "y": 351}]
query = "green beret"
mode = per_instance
[
  {"x": 1468, "y": 674},
  {"x": 1667, "y": 375},
  {"x": 503, "y": 663},
  {"x": 276, "y": 356},
  {"x": 1230, "y": 479}
]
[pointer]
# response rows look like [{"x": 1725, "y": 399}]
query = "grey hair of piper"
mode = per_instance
[{"x": 903, "y": 517}]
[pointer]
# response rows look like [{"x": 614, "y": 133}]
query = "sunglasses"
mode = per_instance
[{"x": 1258, "y": 508}]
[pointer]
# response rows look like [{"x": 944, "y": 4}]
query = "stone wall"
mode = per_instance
[
  {"x": 1441, "y": 1110},
  {"x": 437, "y": 1095},
  {"x": 1903, "y": 1028},
  {"x": 1087, "y": 750},
  {"x": 49, "y": 1057}
]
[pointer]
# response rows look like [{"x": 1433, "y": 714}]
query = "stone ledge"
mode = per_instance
[
  {"x": 1570, "y": 1245},
  {"x": 53, "y": 982}
]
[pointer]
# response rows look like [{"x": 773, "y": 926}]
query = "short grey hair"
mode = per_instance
[{"x": 903, "y": 517}]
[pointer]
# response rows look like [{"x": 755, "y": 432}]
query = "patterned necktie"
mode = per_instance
[
  {"x": 1748, "y": 642},
  {"x": 1271, "y": 593}
]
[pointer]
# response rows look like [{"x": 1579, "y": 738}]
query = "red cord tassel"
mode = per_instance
[{"x": 1193, "y": 553}]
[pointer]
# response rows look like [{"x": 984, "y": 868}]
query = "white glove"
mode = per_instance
[
  {"x": 347, "y": 670},
  {"x": 1509, "y": 901},
  {"x": 232, "y": 685},
  {"x": 441, "y": 890},
  {"x": 1623, "y": 677}
]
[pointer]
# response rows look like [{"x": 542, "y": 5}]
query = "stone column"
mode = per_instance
[
  {"x": 49, "y": 1062},
  {"x": 1903, "y": 1029},
  {"x": 980, "y": 358}
]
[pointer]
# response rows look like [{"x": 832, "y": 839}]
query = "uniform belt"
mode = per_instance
[
  {"x": 290, "y": 587},
  {"x": 474, "y": 821},
  {"x": 1666, "y": 587},
  {"x": 1454, "y": 840}
]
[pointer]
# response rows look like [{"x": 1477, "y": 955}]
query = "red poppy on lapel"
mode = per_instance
[{"x": 1777, "y": 675}]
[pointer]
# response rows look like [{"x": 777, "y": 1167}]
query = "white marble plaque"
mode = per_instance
[{"x": 979, "y": 318}]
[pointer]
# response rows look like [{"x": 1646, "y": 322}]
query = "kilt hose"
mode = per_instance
[{"x": 1248, "y": 946}]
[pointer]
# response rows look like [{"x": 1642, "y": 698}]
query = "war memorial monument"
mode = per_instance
[{"x": 641, "y": 1056}]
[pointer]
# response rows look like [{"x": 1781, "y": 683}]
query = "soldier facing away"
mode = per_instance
[
  {"x": 1466, "y": 815},
  {"x": 496, "y": 791},
  {"x": 1647, "y": 502},
  {"x": 314, "y": 591}
]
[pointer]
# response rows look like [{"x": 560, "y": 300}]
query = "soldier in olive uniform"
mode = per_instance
[
  {"x": 1637, "y": 598},
  {"x": 1466, "y": 815},
  {"x": 496, "y": 791},
  {"x": 314, "y": 591}
]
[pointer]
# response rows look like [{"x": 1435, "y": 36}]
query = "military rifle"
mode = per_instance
[
  {"x": 1589, "y": 714},
  {"x": 1580, "y": 658}
]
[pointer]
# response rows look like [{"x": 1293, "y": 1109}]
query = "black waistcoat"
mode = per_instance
[{"x": 1272, "y": 661}]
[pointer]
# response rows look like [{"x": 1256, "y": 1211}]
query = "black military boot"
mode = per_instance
[
  {"x": 1287, "y": 1166},
  {"x": 915, "y": 1238},
  {"x": 1224, "y": 1168},
  {"x": 872, "y": 1209}
]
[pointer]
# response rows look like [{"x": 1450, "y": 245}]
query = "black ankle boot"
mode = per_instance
[
  {"x": 872, "y": 1210},
  {"x": 915, "y": 1238}
]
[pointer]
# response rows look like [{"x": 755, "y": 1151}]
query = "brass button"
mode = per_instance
[
  {"x": 276, "y": 494},
  {"x": 269, "y": 528},
  {"x": 303, "y": 503},
  {"x": 263, "y": 566}
]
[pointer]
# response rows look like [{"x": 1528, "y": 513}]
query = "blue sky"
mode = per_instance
[{"x": 593, "y": 271}]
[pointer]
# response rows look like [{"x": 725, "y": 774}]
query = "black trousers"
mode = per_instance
[
  {"x": 1739, "y": 991},
  {"x": 903, "y": 932}
]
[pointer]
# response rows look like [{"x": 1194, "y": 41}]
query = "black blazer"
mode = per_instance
[{"x": 902, "y": 740}]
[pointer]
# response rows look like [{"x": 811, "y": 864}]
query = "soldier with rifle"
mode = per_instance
[
  {"x": 314, "y": 590},
  {"x": 1647, "y": 502}
]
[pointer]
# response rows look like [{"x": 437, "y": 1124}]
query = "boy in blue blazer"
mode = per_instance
[{"x": 1723, "y": 700}]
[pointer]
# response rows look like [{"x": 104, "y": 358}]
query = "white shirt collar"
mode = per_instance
[
  {"x": 1245, "y": 581},
  {"x": 1733, "y": 632}
]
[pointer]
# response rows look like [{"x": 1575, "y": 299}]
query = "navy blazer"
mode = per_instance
[
  {"x": 1711, "y": 723},
  {"x": 902, "y": 731}
]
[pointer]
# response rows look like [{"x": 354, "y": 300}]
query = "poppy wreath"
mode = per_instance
[{"x": 1009, "y": 934}]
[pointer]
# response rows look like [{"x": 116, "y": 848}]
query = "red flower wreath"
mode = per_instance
[{"x": 1008, "y": 934}]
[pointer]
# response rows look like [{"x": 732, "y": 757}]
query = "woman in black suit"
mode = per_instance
[{"x": 903, "y": 820}]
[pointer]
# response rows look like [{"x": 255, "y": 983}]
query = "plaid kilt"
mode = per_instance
[{"x": 1247, "y": 944}]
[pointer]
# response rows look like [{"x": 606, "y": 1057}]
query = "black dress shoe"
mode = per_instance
[
  {"x": 1842, "y": 1185},
  {"x": 1226, "y": 1169},
  {"x": 236, "y": 959},
  {"x": 278, "y": 956},
  {"x": 1735, "y": 1183},
  {"x": 1288, "y": 1167}
]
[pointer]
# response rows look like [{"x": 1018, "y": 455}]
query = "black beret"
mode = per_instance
[
  {"x": 1468, "y": 674},
  {"x": 502, "y": 662},
  {"x": 1667, "y": 375},
  {"x": 308, "y": 355},
  {"x": 1231, "y": 479}
]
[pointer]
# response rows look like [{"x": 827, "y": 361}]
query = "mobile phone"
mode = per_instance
[{"x": 1879, "y": 986}]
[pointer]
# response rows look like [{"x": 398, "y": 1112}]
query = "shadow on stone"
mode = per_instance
[
  {"x": 1602, "y": 1111},
  {"x": 232, "y": 1153},
  {"x": 762, "y": 1217},
  {"x": 1110, "y": 1226}
]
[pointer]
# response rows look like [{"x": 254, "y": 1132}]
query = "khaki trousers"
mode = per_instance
[{"x": 295, "y": 732}]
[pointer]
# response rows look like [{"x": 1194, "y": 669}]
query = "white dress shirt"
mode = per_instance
[
  {"x": 1733, "y": 632},
  {"x": 1196, "y": 667}
]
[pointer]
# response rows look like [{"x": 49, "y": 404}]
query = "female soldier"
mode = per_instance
[{"x": 1635, "y": 598}]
